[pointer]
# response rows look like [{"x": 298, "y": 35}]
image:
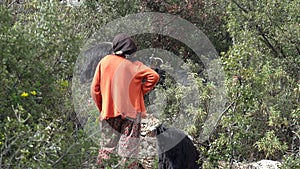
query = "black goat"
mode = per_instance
[{"x": 175, "y": 149}]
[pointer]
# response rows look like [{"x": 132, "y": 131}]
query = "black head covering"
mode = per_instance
[{"x": 123, "y": 45}]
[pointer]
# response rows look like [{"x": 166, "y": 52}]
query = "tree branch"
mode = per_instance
[
  {"x": 239, "y": 6},
  {"x": 266, "y": 40},
  {"x": 298, "y": 50}
]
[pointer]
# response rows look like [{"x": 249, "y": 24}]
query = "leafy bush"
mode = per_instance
[{"x": 258, "y": 43}]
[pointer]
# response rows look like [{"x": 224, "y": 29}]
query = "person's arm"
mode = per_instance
[
  {"x": 96, "y": 90},
  {"x": 150, "y": 76}
]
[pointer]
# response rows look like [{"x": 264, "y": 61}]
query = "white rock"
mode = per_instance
[{"x": 265, "y": 164}]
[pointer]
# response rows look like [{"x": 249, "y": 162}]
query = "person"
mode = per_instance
[{"x": 118, "y": 90}]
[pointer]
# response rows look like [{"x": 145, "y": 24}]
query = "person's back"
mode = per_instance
[{"x": 122, "y": 86}]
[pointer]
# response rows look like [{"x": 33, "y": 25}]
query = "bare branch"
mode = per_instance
[
  {"x": 266, "y": 40},
  {"x": 239, "y": 6}
]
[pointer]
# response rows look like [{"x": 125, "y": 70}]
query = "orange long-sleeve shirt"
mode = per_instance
[{"x": 119, "y": 85}]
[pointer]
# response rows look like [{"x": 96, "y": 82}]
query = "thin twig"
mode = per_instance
[
  {"x": 12, "y": 3},
  {"x": 296, "y": 134},
  {"x": 220, "y": 116},
  {"x": 239, "y": 6},
  {"x": 61, "y": 157}
]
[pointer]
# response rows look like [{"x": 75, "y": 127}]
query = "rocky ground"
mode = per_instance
[
  {"x": 148, "y": 151},
  {"x": 263, "y": 164},
  {"x": 148, "y": 154},
  {"x": 148, "y": 144}
]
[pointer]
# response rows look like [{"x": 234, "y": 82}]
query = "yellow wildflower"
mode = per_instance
[
  {"x": 33, "y": 93},
  {"x": 24, "y": 94}
]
